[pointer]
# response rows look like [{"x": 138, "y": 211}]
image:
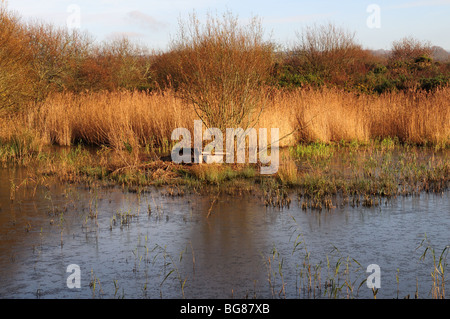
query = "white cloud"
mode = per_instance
[{"x": 144, "y": 20}]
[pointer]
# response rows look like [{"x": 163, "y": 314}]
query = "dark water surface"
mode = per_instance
[{"x": 157, "y": 246}]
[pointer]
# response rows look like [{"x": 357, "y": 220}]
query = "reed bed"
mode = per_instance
[
  {"x": 126, "y": 119},
  {"x": 110, "y": 118},
  {"x": 335, "y": 115}
]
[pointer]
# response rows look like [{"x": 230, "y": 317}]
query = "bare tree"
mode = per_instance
[
  {"x": 57, "y": 56},
  {"x": 221, "y": 67}
]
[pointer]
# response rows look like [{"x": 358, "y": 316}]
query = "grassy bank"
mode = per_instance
[{"x": 320, "y": 176}]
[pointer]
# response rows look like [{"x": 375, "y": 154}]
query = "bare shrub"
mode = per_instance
[
  {"x": 328, "y": 50},
  {"x": 126, "y": 63},
  {"x": 222, "y": 67},
  {"x": 409, "y": 49},
  {"x": 15, "y": 83}
]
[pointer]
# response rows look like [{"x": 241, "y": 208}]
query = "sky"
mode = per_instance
[{"x": 153, "y": 23}]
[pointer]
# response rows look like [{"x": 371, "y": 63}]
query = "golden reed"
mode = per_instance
[{"x": 138, "y": 118}]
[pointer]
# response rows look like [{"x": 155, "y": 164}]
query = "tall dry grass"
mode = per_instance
[
  {"x": 130, "y": 119},
  {"x": 119, "y": 119},
  {"x": 334, "y": 115}
]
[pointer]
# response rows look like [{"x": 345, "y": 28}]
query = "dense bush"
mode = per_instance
[
  {"x": 219, "y": 61},
  {"x": 37, "y": 59},
  {"x": 328, "y": 56},
  {"x": 15, "y": 83}
]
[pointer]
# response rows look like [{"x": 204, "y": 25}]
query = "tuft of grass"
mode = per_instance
[
  {"x": 20, "y": 147},
  {"x": 219, "y": 173},
  {"x": 438, "y": 273},
  {"x": 314, "y": 150},
  {"x": 288, "y": 173}
]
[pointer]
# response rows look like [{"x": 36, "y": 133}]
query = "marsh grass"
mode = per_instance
[
  {"x": 438, "y": 273},
  {"x": 288, "y": 172},
  {"x": 141, "y": 123},
  {"x": 364, "y": 175},
  {"x": 324, "y": 176},
  {"x": 333, "y": 115},
  {"x": 340, "y": 145},
  {"x": 95, "y": 285},
  {"x": 334, "y": 276},
  {"x": 275, "y": 194},
  {"x": 21, "y": 147},
  {"x": 170, "y": 267},
  {"x": 313, "y": 150},
  {"x": 217, "y": 174}
]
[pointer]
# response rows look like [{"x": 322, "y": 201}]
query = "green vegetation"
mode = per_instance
[
  {"x": 313, "y": 151},
  {"x": 323, "y": 176},
  {"x": 330, "y": 56}
]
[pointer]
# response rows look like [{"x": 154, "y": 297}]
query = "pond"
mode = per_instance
[{"x": 156, "y": 244}]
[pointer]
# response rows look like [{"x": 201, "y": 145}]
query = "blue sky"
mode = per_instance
[{"x": 152, "y": 23}]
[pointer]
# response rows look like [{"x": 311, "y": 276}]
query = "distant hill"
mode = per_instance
[
  {"x": 438, "y": 53},
  {"x": 380, "y": 52}
]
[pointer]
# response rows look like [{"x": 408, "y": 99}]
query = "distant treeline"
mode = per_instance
[{"x": 37, "y": 59}]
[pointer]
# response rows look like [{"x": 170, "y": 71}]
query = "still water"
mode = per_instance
[{"x": 152, "y": 245}]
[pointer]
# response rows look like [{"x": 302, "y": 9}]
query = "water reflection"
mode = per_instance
[{"x": 153, "y": 246}]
